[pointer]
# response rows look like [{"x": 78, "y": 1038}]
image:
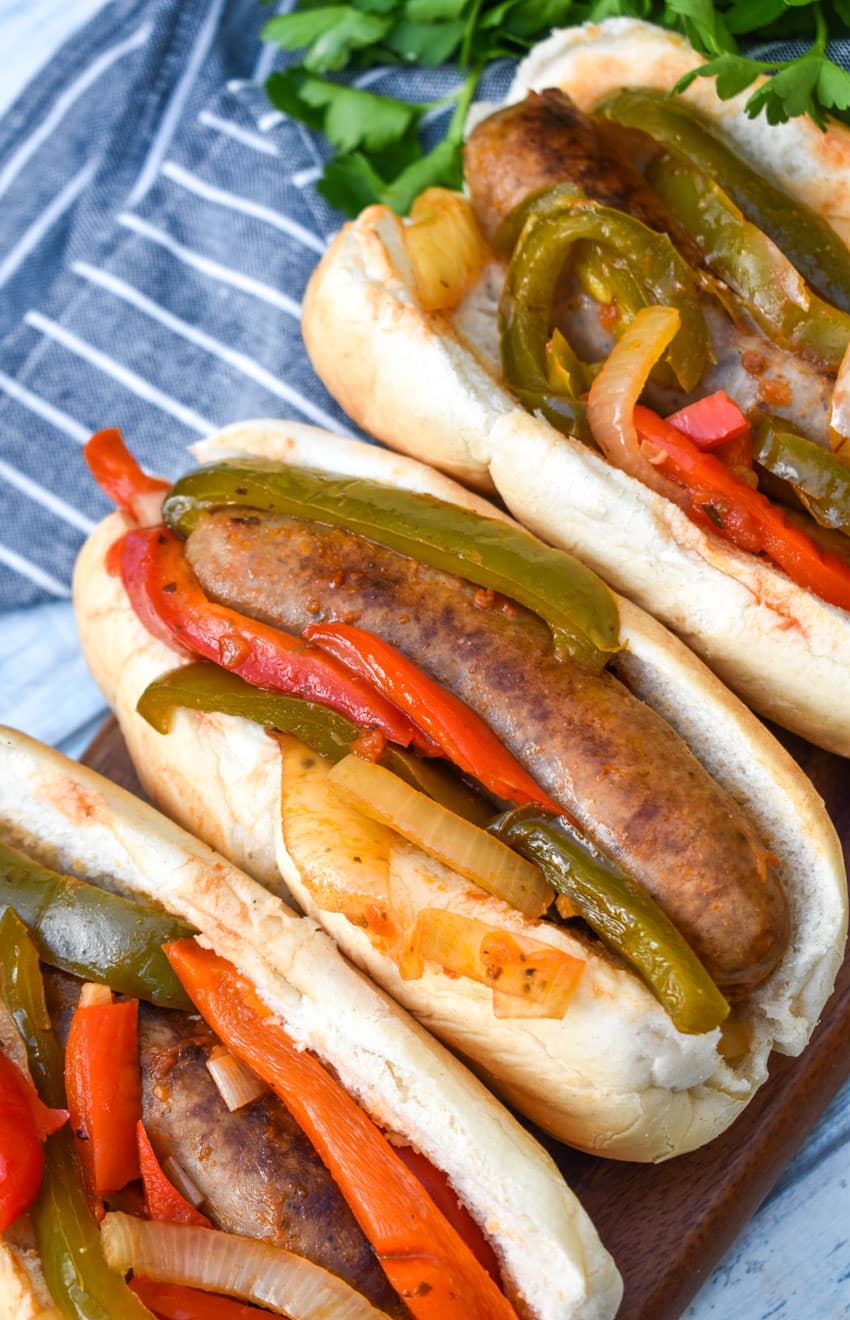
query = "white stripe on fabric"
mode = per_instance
[
  {"x": 270, "y": 120},
  {"x": 239, "y": 361},
  {"x": 237, "y": 133},
  {"x": 373, "y": 76},
  {"x": 137, "y": 385},
  {"x": 31, "y": 237},
  {"x": 436, "y": 112},
  {"x": 55, "y": 416},
  {"x": 207, "y": 266},
  {"x": 302, "y": 177},
  {"x": 27, "y": 569},
  {"x": 176, "y": 103},
  {"x": 270, "y": 50},
  {"x": 45, "y": 497},
  {"x": 64, "y": 102},
  {"x": 234, "y": 202}
]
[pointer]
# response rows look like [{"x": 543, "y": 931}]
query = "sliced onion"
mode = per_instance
[
  {"x": 147, "y": 507},
  {"x": 618, "y": 387},
  {"x": 528, "y": 978},
  {"x": 237, "y": 1084},
  {"x": 839, "y": 411},
  {"x": 95, "y": 994},
  {"x": 184, "y": 1183},
  {"x": 238, "y": 1267},
  {"x": 382, "y": 796},
  {"x": 445, "y": 246}
]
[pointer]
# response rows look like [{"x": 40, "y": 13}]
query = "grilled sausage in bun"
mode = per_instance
[{"x": 517, "y": 801}]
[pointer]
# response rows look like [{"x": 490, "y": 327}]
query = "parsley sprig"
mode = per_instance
[{"x": 378, "y": 152}]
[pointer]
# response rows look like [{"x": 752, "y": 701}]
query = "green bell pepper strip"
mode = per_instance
[
  {"x": 608, "y": 283},
  {"x": 752, "y": 265},
  {"x": 92, "y": 933},
  {"x": 564, "y": 368},
  {"x": 807, "y": 240},
  {"x": 78, "y": 1278},
  {"x": 205, "y": 686},
  {"x": 574, "y": 602},
  {"x": 544, "y": 247},
  {"x": 563, "y": 411},
  {"x": 22, "y": 989},
  {"x": 821, "y": 480},
  {"x": 621, "y": 913}
]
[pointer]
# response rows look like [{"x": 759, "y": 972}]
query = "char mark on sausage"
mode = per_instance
[{"x": 606, "y": 756}]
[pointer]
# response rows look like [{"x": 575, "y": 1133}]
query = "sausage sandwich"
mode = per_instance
[
  {"x": 635, "y": 329},
  {"x": 517, "y": 801},
  {"x": 196, "y": 1087}
]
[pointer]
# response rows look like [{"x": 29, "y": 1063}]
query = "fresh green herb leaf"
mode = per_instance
[
  {"x": 434, "y": 11},
  {"x": 833, "y": 88},
  {"x": 349, "y": 183},
  {"x": 732, "y": 73},
  {"x": 750, "y": 15},
  {"x": 704, "y": 26},
  {"x": 425, "y": 43},
  {"x": 348, "y": 117},
  {"x": 331, "y": 34}
]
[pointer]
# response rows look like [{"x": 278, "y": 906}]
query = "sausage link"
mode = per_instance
[
  {"x": 545, "y": 140},
  {"x": 606, "y": 756}
]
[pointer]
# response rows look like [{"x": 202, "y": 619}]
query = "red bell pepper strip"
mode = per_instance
[
  {"x": 738, "y": 455},
  {"x": 424, "y": 1258},
  {"x": 170, "y": 601},
  {"x": 171, "y": 1301},
  {"x": 462, "y": 736},
  {"x": 445, "y": 1198},
  {"x": 24, "y": 1123},
  {"x": 711, "y": 421},
  {"x": 722, "y": 501},
  {"x": 104, "y": 1088},
  {"x": 47, "y": 1120},
  {"x": 119, "y": 476},
  {"x": 162, "y": 1198}
]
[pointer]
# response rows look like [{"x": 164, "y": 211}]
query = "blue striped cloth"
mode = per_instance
[{"x": 158, "y": 225}]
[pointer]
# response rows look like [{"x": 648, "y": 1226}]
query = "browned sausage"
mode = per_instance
[
  {"x": 606, "y": 756},
  {"x": 259, "y": 1175},
  {"x": 545, "y": 140}
]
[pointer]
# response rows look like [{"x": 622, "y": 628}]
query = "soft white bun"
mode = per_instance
[
  {"x": 84, "y": 824},
  {"x": 614, "y": 1076},
  {"x": 429, "y": 384}
]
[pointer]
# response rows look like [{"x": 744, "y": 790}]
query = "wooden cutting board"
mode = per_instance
[{"x": 668, "y": 1225}]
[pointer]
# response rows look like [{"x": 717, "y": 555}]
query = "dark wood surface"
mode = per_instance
[{"x": 668, "y": 1225}]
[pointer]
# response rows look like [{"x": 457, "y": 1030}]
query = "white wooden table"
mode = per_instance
[{"x": 793, "y": 1259}]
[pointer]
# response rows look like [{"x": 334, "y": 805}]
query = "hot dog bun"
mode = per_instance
[
  {"x": 430, "y": 385},
  {"x": 79, "y": 822},
  {"x": 614, "y": 1076}
]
